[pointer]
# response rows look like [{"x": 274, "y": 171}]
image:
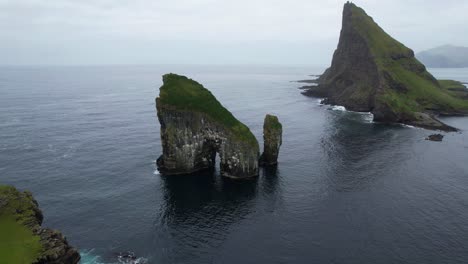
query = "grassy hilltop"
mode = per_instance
[{"x": 186, "y": 94}]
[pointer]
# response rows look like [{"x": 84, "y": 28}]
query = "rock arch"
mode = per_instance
[{"x": 195, "y": 126}]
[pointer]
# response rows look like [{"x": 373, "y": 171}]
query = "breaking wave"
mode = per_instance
[
  {"x": 338, "y": 108},
  {"x": 408, "y": 126},
  {"x": 367, "y": 117},
  {"x": 89, "y": 257}
]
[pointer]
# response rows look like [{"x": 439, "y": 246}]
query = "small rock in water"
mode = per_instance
[
  {"x": 435, "y": 137},
  {"x": 272, "y": 138}
]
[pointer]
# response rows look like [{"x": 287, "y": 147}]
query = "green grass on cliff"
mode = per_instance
[
  {"x": 454, "y": 88},
  {"x": 186, "y": 94},
  {"x": 20, "y": 205},
  {"x": 424, "y": 94},
  {"x": 272, "y": 121},
  {"x": 18, "y": 244},
  {"x": 400, "y": 104},
  {"x": 382, "y": 45},
  {"x": 451, "y": 84},
  {"x": 392, "y": 57}
]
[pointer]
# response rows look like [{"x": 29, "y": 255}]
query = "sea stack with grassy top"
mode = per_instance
[
  {"x": 272, "y": 139},
  {"x": 372, "y": 72},
  {"x": 22, "y": 239},
  {"x": 195, "y": 127}
]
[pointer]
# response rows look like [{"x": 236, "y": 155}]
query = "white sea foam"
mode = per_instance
[
  {"x": 89, "y": 257},
  {"x": 130, "y": 258},
  {"x": 156, "y": 172},
  {"x": 367, "y": 117},
  {"x": 408, "y": 126},
  {"x": 338, "y": 108}
]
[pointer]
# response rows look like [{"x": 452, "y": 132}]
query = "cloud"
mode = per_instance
[{"x": 208, "y": 31}]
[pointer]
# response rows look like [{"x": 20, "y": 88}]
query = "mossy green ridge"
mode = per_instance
[
  {"x": 371, "y": 71},
  {"x": 22, "y": 240},
  {"x": 186, "y": 94}
]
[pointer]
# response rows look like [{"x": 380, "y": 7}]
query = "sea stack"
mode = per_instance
[
  {"x": 272, "y": 140},
  {"x": 372, "y": 72},
  {"x": 22, "y": 238},
  {"x": 195, "y": 127}
]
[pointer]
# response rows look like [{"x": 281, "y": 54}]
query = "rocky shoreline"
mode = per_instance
[{"x": 20, "y": 210}]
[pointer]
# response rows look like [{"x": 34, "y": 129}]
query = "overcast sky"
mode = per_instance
[{"x": 209, "y": 31}]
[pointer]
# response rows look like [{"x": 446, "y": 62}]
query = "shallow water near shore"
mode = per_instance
[{"x": 84, "y": 140}]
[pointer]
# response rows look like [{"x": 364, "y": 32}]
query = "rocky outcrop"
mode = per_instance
[
  {"x": 20, "y": 212},
  {"x": 272, "y": 138},
  {"x": 435, "y": 137},
  {"x": 372, "y": 72},
  {"x": 195, "y": 127}
]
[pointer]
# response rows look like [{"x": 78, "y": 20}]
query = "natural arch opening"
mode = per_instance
[
  {"x": 217, "y": 163},
  {"x": 211, "y": 155}
]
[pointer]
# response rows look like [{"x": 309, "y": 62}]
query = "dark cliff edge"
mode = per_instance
[
  {"x": 272, "y": 140},
  {"x": 372, "y": 72},
  {"x": 22, "y": 238},
  {"x": 195, "y": 127}
]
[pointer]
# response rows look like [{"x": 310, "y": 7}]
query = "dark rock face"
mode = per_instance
[
  {"x": 22, "y": 207},
  {"x": 57, "y": 249},
  {"x": 435, "y": 137},
  {"x": 191, "y": 138},
  {"x": 372, "y": 72},
  {"x": 352, "y": 73},
  {"x": 272, "y": 137},
  {"x": 190, "y": 141}
]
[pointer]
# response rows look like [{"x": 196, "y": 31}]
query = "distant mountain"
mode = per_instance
[{"x": 447, "y": 56}]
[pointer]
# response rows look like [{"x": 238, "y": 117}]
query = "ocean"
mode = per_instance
[{"x": 84, "y": 140}]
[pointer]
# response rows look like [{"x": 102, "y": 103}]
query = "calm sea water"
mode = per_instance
[{"x": 84, "y": 140}]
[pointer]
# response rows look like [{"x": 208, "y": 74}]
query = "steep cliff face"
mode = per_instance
[
  {"x": 272, "y": 138},
  {"x": 23, "y": 240},
  {"x": 195, "y": 127},
  {"x": 372, "y": 72}
]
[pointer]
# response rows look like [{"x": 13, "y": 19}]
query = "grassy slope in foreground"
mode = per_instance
[
  {"x": 188, "y": 95},
  {"x": 18, "y": 244},
  {"x": 423, "y": 92}
]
